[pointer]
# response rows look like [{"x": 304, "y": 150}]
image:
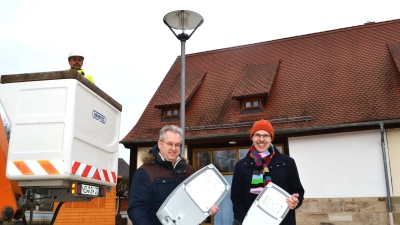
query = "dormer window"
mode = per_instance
[
  {"x": 170, "y": 101},
  {"x": 255, "y": 86},
  {"x": 171, "y": 112},
  {"x": 251, "y": 104}
]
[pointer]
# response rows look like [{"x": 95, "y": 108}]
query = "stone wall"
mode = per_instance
[
  {"x": 396, "y": 209},
  {"x": 347, "y": 211}
]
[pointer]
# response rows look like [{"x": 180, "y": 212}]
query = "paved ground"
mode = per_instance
[{"x": 41, "y": 215}]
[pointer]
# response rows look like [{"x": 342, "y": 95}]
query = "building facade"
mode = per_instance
[{"x": 333, "y": 99}]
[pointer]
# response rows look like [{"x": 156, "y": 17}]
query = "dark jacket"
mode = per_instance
[
  {"x": 283, "y": 172},
  {"x": 151, "y": 185}
]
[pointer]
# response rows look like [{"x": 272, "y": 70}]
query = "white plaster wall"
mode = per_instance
[
  {"x": 393, "y": 139},
  {"x": 340, "y": 165},
  {"x": 140, "y": 152}
]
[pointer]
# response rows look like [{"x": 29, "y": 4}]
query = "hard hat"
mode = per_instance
[{"x": 76, "y": 53}]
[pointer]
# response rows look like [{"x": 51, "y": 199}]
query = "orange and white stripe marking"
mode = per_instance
[
  {"x": 56, "y": 167},
  {"x": 35, "y": 167}
]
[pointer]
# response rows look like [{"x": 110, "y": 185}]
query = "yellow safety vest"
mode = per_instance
[{"x": 90, "y": 78}]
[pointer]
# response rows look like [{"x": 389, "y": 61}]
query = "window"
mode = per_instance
[
  {"x": 223, "y": 159},
  {"x": 172, "y": 112},
  {"x": 251, "y": 104}
]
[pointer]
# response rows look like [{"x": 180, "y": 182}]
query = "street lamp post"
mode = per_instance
[{"x": 183, "y": 20}]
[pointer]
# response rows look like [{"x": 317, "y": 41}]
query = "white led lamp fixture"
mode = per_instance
[
  {"x": 191, "y": 202},
  {"x": 270, "y": 206}
]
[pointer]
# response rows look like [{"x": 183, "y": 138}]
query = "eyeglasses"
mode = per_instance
[
  {"x": 258, "y": 136},
  {"x": 172, "y": 145}
]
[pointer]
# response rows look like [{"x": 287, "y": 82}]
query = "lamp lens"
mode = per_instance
[{"x": 183, "y": 20}]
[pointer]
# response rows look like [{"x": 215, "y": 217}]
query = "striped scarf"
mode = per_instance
[{"x": 261, "y": 176}]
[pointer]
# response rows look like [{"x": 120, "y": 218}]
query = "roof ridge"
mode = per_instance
[{"x": 365, "y": 25}]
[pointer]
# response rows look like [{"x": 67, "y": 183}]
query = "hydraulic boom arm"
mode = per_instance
[{"x": 9, "y": 190}]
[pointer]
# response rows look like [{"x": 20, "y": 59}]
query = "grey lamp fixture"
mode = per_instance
[{"x": 183, "y": 20}]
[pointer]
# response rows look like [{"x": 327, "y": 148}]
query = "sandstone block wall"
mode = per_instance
[{"x": 347, "y": 211}]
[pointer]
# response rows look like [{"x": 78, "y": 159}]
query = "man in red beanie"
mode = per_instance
[{"x": 263, "y": 164}]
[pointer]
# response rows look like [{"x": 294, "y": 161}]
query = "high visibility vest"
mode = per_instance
[{"x": 90, "y": 78}]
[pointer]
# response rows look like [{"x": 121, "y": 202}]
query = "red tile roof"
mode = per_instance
[
  {"x": 395, "y": 51},
  {"x": 173, "y": 95},
  {"x": 257, "y": 80},
  {"x": 335, "y": 77}
]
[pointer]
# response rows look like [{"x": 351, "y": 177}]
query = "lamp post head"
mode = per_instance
[{"x": 183, "y": 20}]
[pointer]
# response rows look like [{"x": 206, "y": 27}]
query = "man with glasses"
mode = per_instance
[
  {"x": 162, "y": 171},
  {"x": 263, "y": 164}
]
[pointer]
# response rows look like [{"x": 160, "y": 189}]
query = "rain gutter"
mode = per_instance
[{"x": 277, "y": 132}]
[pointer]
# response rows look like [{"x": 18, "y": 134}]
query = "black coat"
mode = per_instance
[
  {"x": 151, "y": 185},
  {"x": 283, "y": 172}
]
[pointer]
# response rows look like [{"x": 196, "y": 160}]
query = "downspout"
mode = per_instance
[{"x": 389, "y": 201}]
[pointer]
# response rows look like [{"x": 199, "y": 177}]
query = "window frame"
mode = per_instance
[
  {"x": 196, "y": 167},
  {"x": 211, "y": 150},
  {"x": 281, "y": 148},
  {"x": 251, "y": 101},
  {"x": 172, "y": 109}
]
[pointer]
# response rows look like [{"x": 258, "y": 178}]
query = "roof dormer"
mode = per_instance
[
  {"x": 169, "y": 102},
  {"x": 395, "y": 52},
  {"x": 255, "y": 86}
]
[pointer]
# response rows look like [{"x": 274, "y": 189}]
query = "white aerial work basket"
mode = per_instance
[{"x": 62, "y": 128}]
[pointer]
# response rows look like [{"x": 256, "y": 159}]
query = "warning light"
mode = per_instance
[{"x": 73, "y": 188}]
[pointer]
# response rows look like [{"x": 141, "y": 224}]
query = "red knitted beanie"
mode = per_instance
[{"x": 262, "y": 125}]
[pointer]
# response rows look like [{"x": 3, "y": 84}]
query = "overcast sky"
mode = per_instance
[{"x": 128, "y": 49}]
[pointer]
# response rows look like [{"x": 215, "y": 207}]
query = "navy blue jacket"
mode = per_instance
[
  {"x": 151, "y": 185},
  {"x": 283, "y": 172}
]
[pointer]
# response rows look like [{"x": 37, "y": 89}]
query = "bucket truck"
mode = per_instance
[{"x": 64, "y": 141}]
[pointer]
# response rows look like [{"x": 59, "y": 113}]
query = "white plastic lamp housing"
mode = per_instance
[
  {"x": 270, "y": 206},
  {"x": 191, "y": 202}
]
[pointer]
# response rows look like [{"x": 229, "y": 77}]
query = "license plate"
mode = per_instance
[{"x": 89, "y": 190}]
